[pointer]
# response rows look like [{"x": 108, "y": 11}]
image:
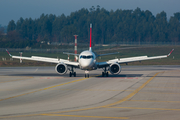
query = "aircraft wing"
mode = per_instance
[
  {"x": 46, "y": 59},
  {"x": 131, "y": 59}
]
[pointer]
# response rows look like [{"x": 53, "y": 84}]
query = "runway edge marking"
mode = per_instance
[
  {"x": 153, "y": 101},
  {"x": 138, "y": 108}
]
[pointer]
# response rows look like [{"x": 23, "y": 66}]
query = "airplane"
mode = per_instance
[{"x": 87, "y": 62}]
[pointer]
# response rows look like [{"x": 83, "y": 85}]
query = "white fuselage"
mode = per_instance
[{"x": 87, "y": 60}]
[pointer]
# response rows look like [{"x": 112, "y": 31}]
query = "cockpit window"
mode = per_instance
[{"x": 86, "y": 57}]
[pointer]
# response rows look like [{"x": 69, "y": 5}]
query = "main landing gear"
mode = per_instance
[
  {"x": 105, "y": 73},
  {"x": 71, "y": 73}
]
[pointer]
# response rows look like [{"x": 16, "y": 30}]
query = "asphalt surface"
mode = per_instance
[{"x": 137, "y": 93}]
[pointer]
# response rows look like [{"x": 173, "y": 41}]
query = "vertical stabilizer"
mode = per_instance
[{"x": 90, "y": 37}]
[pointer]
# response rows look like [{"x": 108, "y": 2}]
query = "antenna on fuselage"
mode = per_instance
[{"x": 90, "y": 37}]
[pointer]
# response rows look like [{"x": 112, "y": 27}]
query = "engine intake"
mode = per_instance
[
  {"x": 115, "y": 68},
  {"x": 61, "y": 68}
]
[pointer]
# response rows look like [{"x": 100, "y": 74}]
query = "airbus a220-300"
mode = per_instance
[{"x": 87, "y": 62}]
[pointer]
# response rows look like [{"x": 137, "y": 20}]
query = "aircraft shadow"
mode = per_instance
[
  {"x": 67, "y": 75},
  {"x": 124, "y": 75}
]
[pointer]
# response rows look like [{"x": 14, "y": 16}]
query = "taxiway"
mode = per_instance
[{"x": 137, "y": 93}]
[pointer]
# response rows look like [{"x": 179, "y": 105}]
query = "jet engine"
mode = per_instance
[
  {"x": 115, "y": 68},
  {"x": 61, "y": 68}
]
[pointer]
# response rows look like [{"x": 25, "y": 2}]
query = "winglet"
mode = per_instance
[
  {"x": 8, "y": 53},
  {"x": 170, "y": 52}
]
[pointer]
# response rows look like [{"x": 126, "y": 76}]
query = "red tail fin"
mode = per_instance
[{"x": 90, "y": 37}]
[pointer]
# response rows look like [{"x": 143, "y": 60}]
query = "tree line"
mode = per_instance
[{"x": 120, "y": 26}]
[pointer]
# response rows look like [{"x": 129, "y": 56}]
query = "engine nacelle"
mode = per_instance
[
  {"x": 115, "y": 68},
  {"x": 61, "y": 68}
]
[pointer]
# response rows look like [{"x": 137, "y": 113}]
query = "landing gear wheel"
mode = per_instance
[
  {"x": 87, "y": 75},
  {"x": 70, "y": 74},
  {"x": 107, "y": 74},
  {"x": 102, "y": 74}
]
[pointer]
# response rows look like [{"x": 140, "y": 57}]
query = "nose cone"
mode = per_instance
[{"x": 86, "y": 64}]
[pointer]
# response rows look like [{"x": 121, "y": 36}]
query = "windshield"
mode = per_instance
[{"x": 86, "y": 57}]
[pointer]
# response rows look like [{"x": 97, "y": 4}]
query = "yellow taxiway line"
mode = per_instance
[{"x": 85, "y": 116}]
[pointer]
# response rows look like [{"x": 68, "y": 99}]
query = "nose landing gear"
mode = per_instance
[{"x": 86, "y": 74}]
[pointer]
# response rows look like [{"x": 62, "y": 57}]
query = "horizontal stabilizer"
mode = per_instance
[
  {"x": 107, "y": 54},
  {"x": 70, "y": 53}
]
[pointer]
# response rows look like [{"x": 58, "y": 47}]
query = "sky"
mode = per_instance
[{"x": 14, "y": 9}]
